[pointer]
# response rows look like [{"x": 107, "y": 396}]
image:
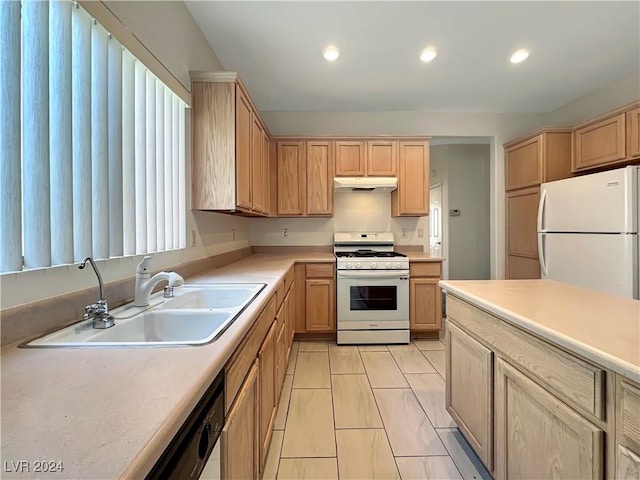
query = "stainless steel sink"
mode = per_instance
[{"x": 197, "y": 315}]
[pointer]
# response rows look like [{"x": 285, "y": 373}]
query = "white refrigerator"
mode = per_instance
[{"x": 588, "y": 231}]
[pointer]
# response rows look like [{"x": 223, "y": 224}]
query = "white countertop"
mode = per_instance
[
  {"x": 110, "y": 413},
  {"x": 600, "y": 327}
]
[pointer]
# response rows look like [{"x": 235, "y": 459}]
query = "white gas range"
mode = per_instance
[{"x": 372, "y": 289}]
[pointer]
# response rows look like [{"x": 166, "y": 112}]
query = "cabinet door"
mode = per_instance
[
  {"x": 349, "y": 159},
  {"x": 601, "y": 143},
  {"x": 425, "y": 304},
  {"x": 627, "y": 464},
  {"x": 382, "y": 158},
  {"x": 412, "y": 196},
  {"x": 522, "y": 213},
  {"x": 267, "y": 382},
  {"x": 239, "y": 438},
  {"x": 469, "y": 394},
  {"x": 519, "y": 268},
  {"x": 243, "y": 150},
  {"x": 523, "y": 164},
  {"x": 291, "y": 178},
  {"x": 257, "y": 166},
  {"x": 633, "y": 133},
  {"x": 281, "y": 359},
  {"x": 290, "y": 300},
  {"x": 266, "y": 174},
  {"x": 320, "y": 167},
  {"x": 320, "y": 305},
  {"x": 538, "y": 436}
]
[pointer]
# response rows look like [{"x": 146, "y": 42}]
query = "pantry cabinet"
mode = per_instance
[
  {"x": 228, "y": 147},
  {"x": 607, "y": 141},
  {"x": 469, "y": 391},
  {"x": 239, "y": 437},
  {"x": 425, "y": 297},
  {"x": 412, "y": 196},
  {"x": 543, "y": 156}
]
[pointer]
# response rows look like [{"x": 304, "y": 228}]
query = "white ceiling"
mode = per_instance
[{"x": 576, "y": 47}]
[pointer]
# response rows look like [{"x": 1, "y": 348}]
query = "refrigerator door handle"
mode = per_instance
[
  {"x": 543, "y": 262},
  {"x": 541, "y": 207}
]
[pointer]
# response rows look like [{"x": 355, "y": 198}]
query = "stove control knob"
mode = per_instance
[
  {"x": 358, "y": 265},
  {"x": 373, "y": 265},
  {"x": 388, "y": 265},
  {"x": 348, "y": 265},
  {"x": 398, "y": 265}
]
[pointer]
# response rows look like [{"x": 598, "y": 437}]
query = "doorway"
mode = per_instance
[{"x": 435, "y": 219}]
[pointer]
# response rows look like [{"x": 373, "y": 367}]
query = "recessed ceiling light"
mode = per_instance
[
  {"x": 519, "y": 56},
  {"x": 428, "y": 54},
  {"x": 330, "y": 53}
]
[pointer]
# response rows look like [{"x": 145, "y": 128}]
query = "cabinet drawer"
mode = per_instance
[
  {"x": 425, "y": 269},
  {"x": 320, "y": 270},
  {"x": 628, "y": 414},
  {"x": 246, "y": 353},
  {"x": 573, "y": 380}
]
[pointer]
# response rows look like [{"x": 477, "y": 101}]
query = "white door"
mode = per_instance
[
  {"x": 600, "y": 202},
  {"x": 602, "y": 262},
  {"x": 435, "y": 219}
]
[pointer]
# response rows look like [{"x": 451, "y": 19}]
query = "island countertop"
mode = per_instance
[{"x": 598, "y": 326}]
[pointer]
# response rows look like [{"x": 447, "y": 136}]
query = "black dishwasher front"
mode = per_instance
[{"x": 187, "y": 454}]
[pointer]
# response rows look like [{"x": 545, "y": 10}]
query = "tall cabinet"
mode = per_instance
[{"x": 544, "y": 156}]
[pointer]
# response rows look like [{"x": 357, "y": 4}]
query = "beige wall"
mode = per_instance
[
  {"x": 352, "y": 212},
  {"x": 171, "y": 34}
]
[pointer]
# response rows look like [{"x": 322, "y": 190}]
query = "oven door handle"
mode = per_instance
[{"x": 401, "y": 274}]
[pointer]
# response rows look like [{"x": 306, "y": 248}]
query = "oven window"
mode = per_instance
[{"x": 374, "y": 298}]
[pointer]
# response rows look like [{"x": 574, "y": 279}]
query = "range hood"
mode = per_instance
[{"x": 365, "y": 184}]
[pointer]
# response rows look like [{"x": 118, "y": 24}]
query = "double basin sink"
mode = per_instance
[{"x": 196, "y": 315}]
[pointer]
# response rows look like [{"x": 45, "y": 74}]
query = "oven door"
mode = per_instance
[{"x": 371, "y": 300}]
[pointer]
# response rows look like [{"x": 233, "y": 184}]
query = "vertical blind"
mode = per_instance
[{"x": 92, "y": 144}]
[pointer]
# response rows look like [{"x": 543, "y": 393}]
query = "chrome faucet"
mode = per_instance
[
  {"x": 145, "y": 282},
  {"x": 98, "y": 311}
]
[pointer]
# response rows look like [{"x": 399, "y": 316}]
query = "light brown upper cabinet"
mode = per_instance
[
  {"x": 382, "y": 158},
  {"x": 305, "y": 177},
  {"x": 633, "y": 133},
  {"x": 291, "y": 177},
  {"x": 371, "y": 158},
  {"x": 228, "y": 151},
  {"x": 608, "y": 140},
  {"x": 543, "y": 157},
  {"x": 258, "y": 185},
  {"x": 320, "y": 168},
  {"x": 350, "y": 158},
  {"x": 412, "y": 196}
]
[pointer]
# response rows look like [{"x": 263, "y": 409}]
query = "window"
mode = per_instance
[{"x": 92, "y": 143}]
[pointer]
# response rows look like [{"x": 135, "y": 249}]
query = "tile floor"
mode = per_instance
[{"x": 373, "y": 412}]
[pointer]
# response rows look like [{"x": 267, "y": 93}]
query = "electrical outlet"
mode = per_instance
[
  {"x": 193, "y": 238},
  {"x": 420, "y": 233},
  {"x": 285, "y": 233},
  {"x": 404, "y": 233}
]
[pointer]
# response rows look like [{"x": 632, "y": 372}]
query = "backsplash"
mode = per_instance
[{"x": 352, "y": 212}]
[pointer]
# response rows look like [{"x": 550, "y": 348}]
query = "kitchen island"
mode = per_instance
[{"x": 543, "y": 378}]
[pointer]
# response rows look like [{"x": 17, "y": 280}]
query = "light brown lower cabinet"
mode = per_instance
[
  {"x": 267, "y": 382},
  {"x": 290, "y": 305},
  {"x": 239, "y": 438},
  {"x": 469, "y": 392},
  {"x": 425, "y": 297},
  {"x": 538, "y": 436}
]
